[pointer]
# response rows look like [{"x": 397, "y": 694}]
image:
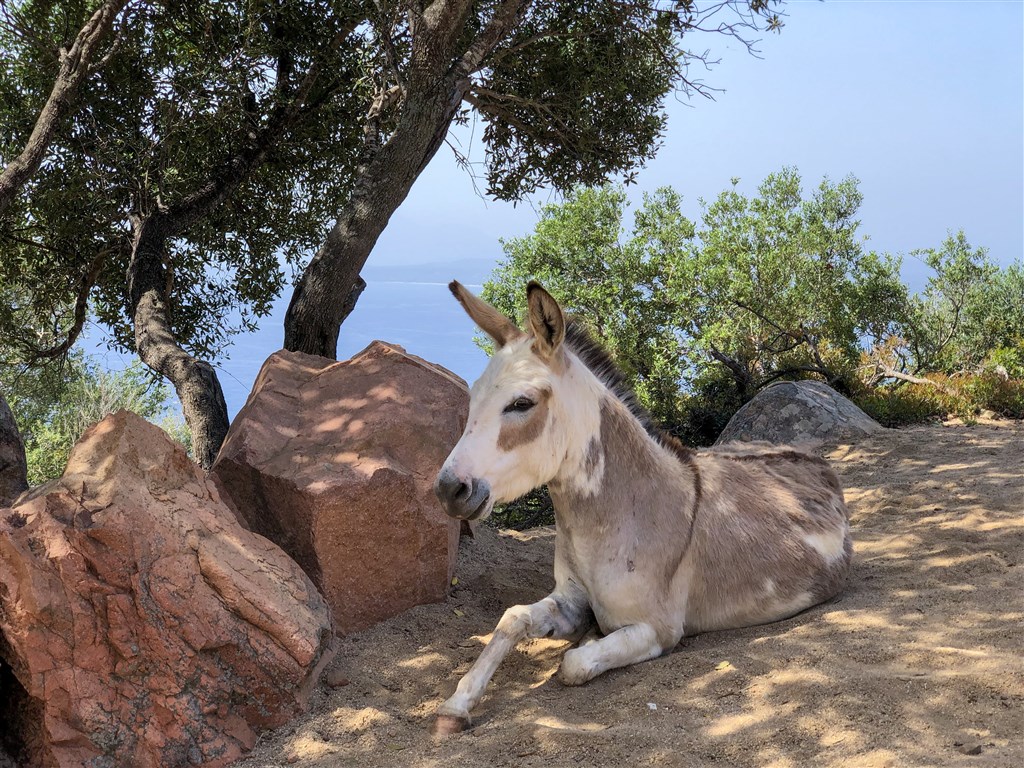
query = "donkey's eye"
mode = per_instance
[{"x": 519, "y": 405}]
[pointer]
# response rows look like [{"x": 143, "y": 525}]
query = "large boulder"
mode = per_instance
[
  {"x": 12, "y": 457},
  {"x": 335, "y": 462},
  {"x": 797, "y": 412},
  {"x": 140, "y": 624}
]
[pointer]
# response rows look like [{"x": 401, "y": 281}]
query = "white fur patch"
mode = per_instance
[
  {"x": 583, "y": 416},
  {"x": 588, "y": 483},
  {"x": 829, "y": 545}
]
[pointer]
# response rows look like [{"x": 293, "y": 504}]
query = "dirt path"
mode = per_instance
[{"x": 919, "y": 663}]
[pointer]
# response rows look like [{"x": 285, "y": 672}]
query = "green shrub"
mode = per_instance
[
  {"x": 964, "y": 396},
  {"x": 1010, "y": 359},
  {"x": 989, "y": 391},
  {"x": 527, "y": 511},
  {"x": 900, "y": 406},
  {"x": 53, "y": 414},
  {"x": 708, "y": 408}
]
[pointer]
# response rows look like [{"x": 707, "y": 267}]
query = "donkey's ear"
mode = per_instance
[
  {"x": 488, "y": 319},
  {"x": 546, "y": 320}
]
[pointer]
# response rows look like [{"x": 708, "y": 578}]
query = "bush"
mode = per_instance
[
  {"x": 1004, "y": 396},
  {"x": 708, "y": 408},
  {"x": 527, "y": 511},
  {"x": 55, "y": 407},
  {"x": 1008, "y": 360},
  {"x": 964, "y": 396},
  {"x": 901, "y": 406}
]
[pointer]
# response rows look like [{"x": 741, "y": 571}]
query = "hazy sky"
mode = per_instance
[{"x": 922, "y": 101}]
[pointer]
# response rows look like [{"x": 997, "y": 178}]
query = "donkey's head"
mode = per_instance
[{"x": 528, "y": 412}]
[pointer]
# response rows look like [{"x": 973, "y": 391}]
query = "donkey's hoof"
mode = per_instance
[
  {"x": 446, "y": 725},
  {"x": 576, "y": 667}
]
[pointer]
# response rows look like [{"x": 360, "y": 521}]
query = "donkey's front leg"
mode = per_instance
[
  {"x": 629, "y": 645},
  {"x": 557, "y": 615}
]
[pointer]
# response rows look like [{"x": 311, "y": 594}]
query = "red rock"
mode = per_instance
[
  {"x": 143, "y": 624},
  {"x": 335, "y": 462}
]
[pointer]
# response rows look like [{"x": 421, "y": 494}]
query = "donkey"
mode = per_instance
[{"x": 654, "y": 540}]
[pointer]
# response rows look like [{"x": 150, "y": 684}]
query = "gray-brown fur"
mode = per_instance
[
  {"x": 654, "y": 539},
  {"x": 758, "y": 512},
  {"x": 813, "y": 503},
  {"x": 600, "y": 363},
  {"x": 722, "y": 520}
]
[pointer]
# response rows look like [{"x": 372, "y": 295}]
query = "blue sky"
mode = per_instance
[{"x": 922, "y": 101}]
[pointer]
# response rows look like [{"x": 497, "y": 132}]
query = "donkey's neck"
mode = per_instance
[{"x": 624, "y": 480}]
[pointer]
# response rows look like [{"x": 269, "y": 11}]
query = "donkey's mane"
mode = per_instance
[{"x": 600, "y": 363}]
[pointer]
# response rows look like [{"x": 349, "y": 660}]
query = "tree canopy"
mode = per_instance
[
  {"x": 190, "y": 89},
  {"x": 969, "y": 308},
  {"x": 774, "y": 285},
  {"x": 195, "y": 146}
]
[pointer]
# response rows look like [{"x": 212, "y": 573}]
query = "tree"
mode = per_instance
[
  {"x": 613, "y": 284},
  {"x": 969, "y": 309},
  {"x": 13, "y": 466},
  {"x": 218, "y": 137},
  {"x": 763, "y": 288},
  {"x": 76, "y": 61},
  {"x": 570, "y": 93},
  {"x": 779, "y": 285},
  {"x": 215, "y": 141}
]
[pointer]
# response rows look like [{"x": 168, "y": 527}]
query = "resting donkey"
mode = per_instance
[{"x": 654, "y": 539}]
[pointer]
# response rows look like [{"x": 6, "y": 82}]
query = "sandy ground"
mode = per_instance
[{"x": 918, "y": 663}]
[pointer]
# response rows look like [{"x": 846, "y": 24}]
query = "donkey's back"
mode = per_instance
[{"x": 771, "y": 536}]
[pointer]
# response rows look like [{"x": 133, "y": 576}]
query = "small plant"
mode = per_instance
[
  {"x": 964, "y": 396},
  {"x": 527, "y": 511}
]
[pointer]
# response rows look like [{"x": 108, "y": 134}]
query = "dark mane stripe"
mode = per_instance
[{"x": 600, "y": 363}]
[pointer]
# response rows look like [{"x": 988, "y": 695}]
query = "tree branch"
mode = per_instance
[
  {"x": 81, "y": 311},
  {"x": 75, "y": 66},
  {"x": 740, "y": 374},
  {"x": 504, "y": 19},
  {"x": 885, "y": 372},
  {"x": 187, "y": 211}
]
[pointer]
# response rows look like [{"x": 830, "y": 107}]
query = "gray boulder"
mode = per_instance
[{"x": 799, "y": 412}]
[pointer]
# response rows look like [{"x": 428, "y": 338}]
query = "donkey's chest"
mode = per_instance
[{"x": 622, "y": 581}]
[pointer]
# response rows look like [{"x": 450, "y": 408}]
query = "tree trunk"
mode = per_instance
[
  {"x": 442, "y": 58},
  {"x": 740, "y": 373},
  {"x": 13, "y": 467},
  {"x": 195, "y": 381},
  {"x": 323, "y": 296}
]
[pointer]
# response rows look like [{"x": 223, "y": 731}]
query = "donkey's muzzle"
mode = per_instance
[{"x": 462, "y": 499}]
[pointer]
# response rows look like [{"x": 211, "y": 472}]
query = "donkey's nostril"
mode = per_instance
[
  {"x": 450, "y": 488},
  {"x": 463, "y": 499}
]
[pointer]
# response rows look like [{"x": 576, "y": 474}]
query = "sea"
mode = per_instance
[{"x": 407, "y": 305}]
